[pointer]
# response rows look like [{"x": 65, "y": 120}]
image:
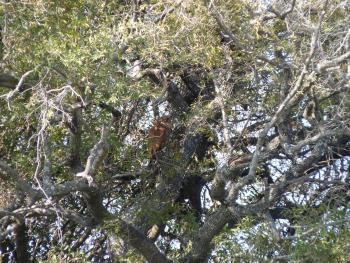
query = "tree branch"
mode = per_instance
[
  {"x": 139, "y": 241},
  {"x": 324, "y": 65},
  {"x": 10, "y": 175},
  {"x": 214, "y": 224}
]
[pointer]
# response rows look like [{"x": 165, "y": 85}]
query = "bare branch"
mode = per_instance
[
  {"x": 97, "y": 154},
  {"x": 17, "y": 89},
  {"x": 279, "y": 14},
  {"x": 321, "y": 135},
  {"x": 324, "y": 65},
  {"x": 294, "y": 95},
  {"x": 220, "y": 21}
]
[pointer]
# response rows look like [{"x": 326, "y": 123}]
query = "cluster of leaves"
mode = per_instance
[{"x": 318, "y": 240}]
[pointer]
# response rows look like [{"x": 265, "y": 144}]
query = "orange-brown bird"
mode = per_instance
[{"x": 158, "y": 134}]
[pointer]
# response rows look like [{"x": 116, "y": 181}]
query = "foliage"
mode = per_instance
[{"x": 255, "y": 168}]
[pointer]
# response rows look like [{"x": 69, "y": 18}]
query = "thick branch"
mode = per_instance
[
  {"x": 93, "y": 197},
  {"x": 140, "y": 242},
  {"x": 75, "y": 127},
  {"x": 21, "y": 241},
  {"x": 10, "y": 175},
  {"x": 96, "y": 156},
  {"x": 212, "y": 227}
]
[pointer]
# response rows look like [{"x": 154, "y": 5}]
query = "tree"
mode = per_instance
[{"x": 253, "y": 165}]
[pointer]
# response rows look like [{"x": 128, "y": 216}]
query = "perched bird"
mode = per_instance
[{"x": 158, "y": 134}]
